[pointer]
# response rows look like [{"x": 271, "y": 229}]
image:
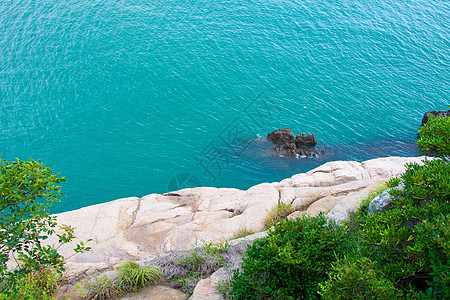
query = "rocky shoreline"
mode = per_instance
[{"x": 143, "y": 229}]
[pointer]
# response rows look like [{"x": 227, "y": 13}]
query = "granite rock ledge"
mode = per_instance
[{"x": 144, "y": 228}]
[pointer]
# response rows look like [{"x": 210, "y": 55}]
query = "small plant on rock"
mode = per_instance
[
  {"x": 242, "y": 232},
  {"x": 278, "y": 213},
  {"x": 132, "y": 276}
]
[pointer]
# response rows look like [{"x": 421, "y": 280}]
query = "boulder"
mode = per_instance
[
  {"x": 308, "y": 140},
  {"x": 206, "y": 288},
  {"x": 287, "y": 149},
  {"x": 382, "y": 202},
  {"x": 281, "y": 136},
  {"x": 441, "y": 114},
  {"x": 324, "y": 205},
  {"x": 156, "y": 292}
]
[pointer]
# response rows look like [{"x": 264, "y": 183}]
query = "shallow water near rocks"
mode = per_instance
[{"x": 127, "y": 98}]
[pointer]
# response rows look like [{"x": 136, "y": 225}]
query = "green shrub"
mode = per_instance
[
  {"x": 40, "y": 284},
  {"x": 353, "y": 278},
  {"x": 431, "y": 252},
  {"x": 357, "y": 218},
  {"x": 397, "y": 240},
  {"x": 27, "y": 190},
  {"x": 291, "y": 261},
  {"x": 434, "y": 136},
  {"x": 424, "y": 183}
]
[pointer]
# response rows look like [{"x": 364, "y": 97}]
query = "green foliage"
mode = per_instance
[
  {"x": 131, "y": 277},
  {"x": 291, "y": 261},
  {"x": 101, "y": 288},
  {"x": 35, "y": 285},
  {"x": 431, "y": 251},
  {"x": 27, "y": 190},
  {"x": 434, "y": 136},
  {"x": 402, "y": 253},
  {"x": 424, "y": 183},
  {"x": 357, "y": 218},
  {"x": 215, "y": 249},
  {"x": 224, "y": 287},
  {"x": 353, "y": 278}
]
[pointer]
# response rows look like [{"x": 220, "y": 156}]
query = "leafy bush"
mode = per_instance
[
  {"x": 434, "y": 136},
  {"x": 424, "y": 183},
  {"x": 403, "y": 252},
  {"x": 397, "y": 240},
  {"x": 27, "y": 190},
  {"x": 353, "y": 278},
  {"x": 357, "y": 218},
  {"x": 291, "y": 261},
  {"x": 39, "y": 284},
  {"x": 431, "y": 251}
]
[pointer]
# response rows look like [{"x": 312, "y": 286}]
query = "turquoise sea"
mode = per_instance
[{"x": 128, "y": 98}]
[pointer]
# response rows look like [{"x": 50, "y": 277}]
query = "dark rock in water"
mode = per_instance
[
  {"x": 287, "y": 149},
  {"x": 308, "y": 140},
  {"x": 441, "y": 114},
  {"x": 302, "y": 151},
  {"x": 281, "y": 136},
  {"x": 288, "y": 146}
]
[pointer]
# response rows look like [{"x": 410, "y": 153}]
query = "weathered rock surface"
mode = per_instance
[
  {"x": 288, "y": 149},
  {"x": 157, "y": 292},
  {"x": 145, "y": 228},
  {"x": 281, "y": 136},
  {"x": 286, "y": 145},
  {"x": 441, "y": 114},
  {"x": 308, "y": 140},
  {"x": 205, "y": 289}
]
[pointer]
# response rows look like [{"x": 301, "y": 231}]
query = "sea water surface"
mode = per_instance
[{"x": 128, "y": 98}]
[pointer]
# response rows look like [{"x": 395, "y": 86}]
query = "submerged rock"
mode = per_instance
[
  {"x": 306, "y": 152},
  {"x": 287, "y": 149}
]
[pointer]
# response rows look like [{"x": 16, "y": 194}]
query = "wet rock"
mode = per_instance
[
  {"x": 306, "y": 152},
  {"x": 441, "y": 114},
  {"x": 281, "y": 136},
  {"x": 287, "y": 149},
  {"x": 308, "y": 140}
]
